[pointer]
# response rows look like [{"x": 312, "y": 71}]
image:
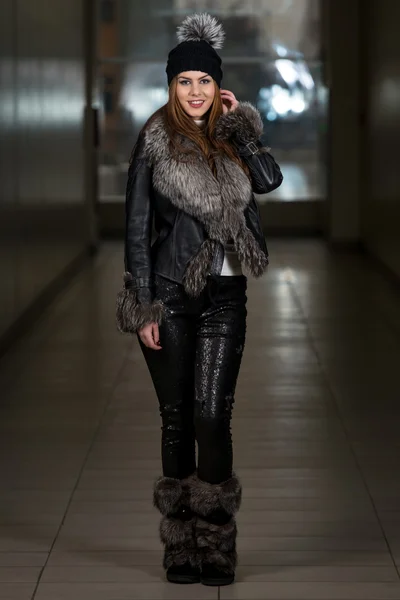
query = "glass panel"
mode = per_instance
[{"x": 271, "y": 57}]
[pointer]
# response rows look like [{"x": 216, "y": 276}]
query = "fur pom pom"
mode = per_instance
[{"x": 201, "y": 27}]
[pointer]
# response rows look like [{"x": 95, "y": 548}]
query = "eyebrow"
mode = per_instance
[{"x": 189, "y": 79}]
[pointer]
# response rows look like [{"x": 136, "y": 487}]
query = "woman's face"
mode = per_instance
[{"x": 195, "y": 91}]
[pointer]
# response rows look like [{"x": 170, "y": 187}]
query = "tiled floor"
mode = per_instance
[{"x": 316, "y": 430}]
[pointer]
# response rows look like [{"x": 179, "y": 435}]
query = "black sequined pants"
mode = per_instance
[{"x": 195, "y": 374}]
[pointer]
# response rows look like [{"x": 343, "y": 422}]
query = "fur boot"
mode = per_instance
[
  {"x": 215, "y": 506},
  {"x": 171, "y": 497}
]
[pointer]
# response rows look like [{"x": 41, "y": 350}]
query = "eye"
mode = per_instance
[
  {"x": 183, "y": 81},
  {"x": 205, "y": 81}
]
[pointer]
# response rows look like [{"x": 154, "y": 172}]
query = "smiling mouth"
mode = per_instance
[{"x": 196, "y": 103}]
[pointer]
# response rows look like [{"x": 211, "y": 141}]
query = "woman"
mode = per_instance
[{"x": 195, "y": 167}]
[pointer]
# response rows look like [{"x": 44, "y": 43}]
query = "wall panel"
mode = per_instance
[
  {"x": 42, "y": 100},
  {"x": 380, "y": 201}
]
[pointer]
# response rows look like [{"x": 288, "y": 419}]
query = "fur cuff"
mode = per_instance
[
  {"x": 132, "y": 315},
  {"x": 206, "y": 498},
  {"x": 242, "y": 126}
]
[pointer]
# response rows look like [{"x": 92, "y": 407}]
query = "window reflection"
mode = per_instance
[{"x": 271, "y": 58}]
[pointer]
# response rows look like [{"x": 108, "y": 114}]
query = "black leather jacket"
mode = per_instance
[
  {"x": 179, "y": 235},
  {"x": 154, "y": 203}
]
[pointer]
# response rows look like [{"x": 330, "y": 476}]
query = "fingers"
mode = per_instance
[
  {"x": 229, "y": 98},
  {"x": 147, "y": 340},
  {"x": 156, "y": 333},
  {"x": 228, "y": 95},
  {"x": 149, "y": 335},
  {"x": 227, "y": 92}
]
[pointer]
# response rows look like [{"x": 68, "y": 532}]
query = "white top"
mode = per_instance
[{"x": 231, "y": 265}]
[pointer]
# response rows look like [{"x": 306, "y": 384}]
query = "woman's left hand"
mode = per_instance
[{"x": 229, "y": 102}]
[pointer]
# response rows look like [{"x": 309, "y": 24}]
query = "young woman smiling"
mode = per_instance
[{"x": 193, "y": 171}]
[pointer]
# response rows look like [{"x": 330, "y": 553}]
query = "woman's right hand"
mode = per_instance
[{"x": 150, "y": 336}]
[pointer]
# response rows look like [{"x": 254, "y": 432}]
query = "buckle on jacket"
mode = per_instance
[{"x": 252, "y": 147}]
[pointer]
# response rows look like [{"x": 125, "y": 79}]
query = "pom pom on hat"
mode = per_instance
[{"x": 198, "y": 27}]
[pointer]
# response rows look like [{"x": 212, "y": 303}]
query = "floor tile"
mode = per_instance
[
  {"x": 123, "y": 591},
  {"x": 22, "y": 559},
  {"x": 316, "y": 573},
  {"x": 311, "y": 591},
  {"x": 102, "y": 574},
  {"x": 103, "y": 558},
  {"x": 19, "y": 574},
  {"x": 16, "y": 591},
  {"x": 310, "y": 558}
]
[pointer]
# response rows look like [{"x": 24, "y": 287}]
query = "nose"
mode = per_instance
[{"x": 195, "y": 89}]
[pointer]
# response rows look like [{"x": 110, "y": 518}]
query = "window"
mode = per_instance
[{"x": 271, "y": 57}]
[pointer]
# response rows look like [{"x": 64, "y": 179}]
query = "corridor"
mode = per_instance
[{"x": 316, "y": 442}]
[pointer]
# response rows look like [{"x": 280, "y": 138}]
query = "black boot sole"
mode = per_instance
[
  {"x": 183, "y": 579},
  {"x": 217, "y": 581}
]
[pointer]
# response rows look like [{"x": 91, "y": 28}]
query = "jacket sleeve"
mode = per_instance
[
  {"x": 136, "y": 306},
  {"x": 243, "y": 127}
]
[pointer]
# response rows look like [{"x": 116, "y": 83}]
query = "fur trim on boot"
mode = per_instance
[
  {"x": 178, "y": 538},
  {"x": 216, "y": 530},
  {"x": 177, "y": 533},
  {"x": 132, "y": 315},
  {"x": 168, "y": 495},
  {"x": 216, "y": 545},
  {"x": 205, "y": 497}
]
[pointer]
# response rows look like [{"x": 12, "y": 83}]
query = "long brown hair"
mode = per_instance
[{"x": 178, "y": 123}]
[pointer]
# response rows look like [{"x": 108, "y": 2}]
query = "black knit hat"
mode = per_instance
[{"x": 199, "y": 36}]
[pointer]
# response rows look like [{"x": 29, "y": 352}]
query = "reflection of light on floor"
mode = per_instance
[{"x": 287, "y": 275}]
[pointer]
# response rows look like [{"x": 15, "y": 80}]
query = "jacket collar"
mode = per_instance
[{"x": 188, "y": 181}]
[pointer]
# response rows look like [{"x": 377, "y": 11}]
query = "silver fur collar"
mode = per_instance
[
  {"x": 190, "y": 184},
  {"x": 217, "y": 202}
]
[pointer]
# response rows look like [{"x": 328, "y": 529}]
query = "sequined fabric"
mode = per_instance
[{"x": 195, "y": 373}]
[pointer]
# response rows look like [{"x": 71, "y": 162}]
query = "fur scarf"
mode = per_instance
[{"x": 217, "y": 202}]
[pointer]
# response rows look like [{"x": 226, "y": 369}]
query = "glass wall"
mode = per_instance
[{"x": 271, "y": 58}]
